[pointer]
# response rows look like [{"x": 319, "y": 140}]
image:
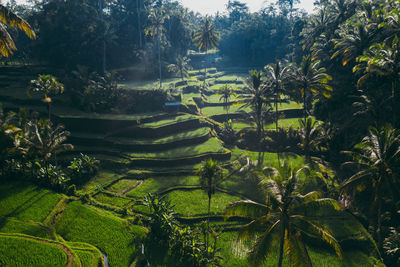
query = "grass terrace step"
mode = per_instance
[
  {"x": 182, "y": 156},
  {"x": 161, "y": 128},
  {"x": 103, "y": 123}
]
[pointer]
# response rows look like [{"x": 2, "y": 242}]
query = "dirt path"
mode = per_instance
[{"x": 69, "y": 253}]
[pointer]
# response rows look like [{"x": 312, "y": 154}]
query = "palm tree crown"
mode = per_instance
[
  {"x": 283, "y": 217},
  {"x": 10, "y": 19}
]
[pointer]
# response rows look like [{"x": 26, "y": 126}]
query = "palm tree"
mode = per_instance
[
  {"x": 276, "y": 75},
  {"x": 48, "y": 86},
  {"x": 10, "y": 19},
  {"x": 312, "y": 81},
  {"x": 354, "y": 39},
  {"x": 156, "y": 30},
  {"x": 254, "y": 97},
  {"x": 226, "y": 93},
  {"x": 283, "y": 217},
  {"x": 181, "y": 67},
  {"x": 206, "y": 37},
  {"x": 210, "y": 174},
  {"x": 374, "y": 159},
  {"x": 310, "y": 136},
  {"x": 43, "y": 140}
]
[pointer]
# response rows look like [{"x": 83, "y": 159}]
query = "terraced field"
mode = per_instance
[{"x": 141, "y": 154}]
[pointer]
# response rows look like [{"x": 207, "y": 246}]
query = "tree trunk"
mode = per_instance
[
  {"x": 282, "y": 242},
  {"x": 139, "y": 23},
  {"x": 276, "y": 110},
  {"x": 159, "y": 60},
  {"x": 208, "y": 223}
]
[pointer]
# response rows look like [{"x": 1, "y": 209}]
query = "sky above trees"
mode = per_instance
[{"x": 212, "y": 6}]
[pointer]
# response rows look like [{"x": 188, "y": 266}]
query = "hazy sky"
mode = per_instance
[{"x": 212, "y": 6}]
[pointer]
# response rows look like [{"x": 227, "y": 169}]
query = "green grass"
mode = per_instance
[
  {"x": 176, "y": 137},
  {"x": 284, "y": 123},
  {"x": 195, "y": 202},
  {"x": 112, "y": 200},
  {"x": 237, "y": 126},
  {"x": 26, "y": 202},
  {"x": 212, "y": 145},
  {"x": 82, "y": 224},
  {"x": 270, "y": 159},
  {"x": 101, "y": 180},
  {"x": 18, "y": 251},
  {"x": 158, "y": 184},
  {"x": 89, "y": 255},
  {"x": 123, "y": 186},
  {"x": 172, "y": 120},
  {"x": 12, "y": 225},
  {"x": 210, "y": 111}
]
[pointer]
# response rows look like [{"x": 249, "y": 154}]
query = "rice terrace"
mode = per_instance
[{"x": 174, "y": 133}]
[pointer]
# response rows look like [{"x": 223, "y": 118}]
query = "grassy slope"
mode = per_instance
[
  {"x": 17, "y": 251},
  {"x": 195, "y": 202},
  {"x": 211, "y": 145},
  {"x": 82, "y": 224},
  {"x": 26, "y": 202}
]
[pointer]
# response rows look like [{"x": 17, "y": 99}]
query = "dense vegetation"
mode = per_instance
[{"x": 164, "y": 137}]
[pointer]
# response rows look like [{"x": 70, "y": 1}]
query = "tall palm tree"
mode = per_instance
[
  {"x": 48, "y": 86},
  {"x": 226, "y": 93},
  {"x": 276, "y": 75},
  {"x": 283, "y": 217},
  {"x": 156, "y": 30},
  {"x": 312, "y": 81},
  {"x": 181, "y": 67},
  {"x": 210, "y": 174},
  {"x": 352, "y": 41},
  {"x": 254, "y": 97},
  {"x": 207, "y": 37},
  {"x": 310, "y": 136},
  {"x": 374, "y": 159},
  {"x": 9, "y": 19}
]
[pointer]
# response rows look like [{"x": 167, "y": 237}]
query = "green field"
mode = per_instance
[
  {"x": 80, "y": 223},
  {"x": 212, "y": 145},
  {"x": 19, "y": 251}
]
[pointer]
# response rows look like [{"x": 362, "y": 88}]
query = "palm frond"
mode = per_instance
[{"x": 246, "y": 209}]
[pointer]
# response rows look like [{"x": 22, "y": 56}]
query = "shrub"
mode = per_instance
[{"x": 83, "y": 168}]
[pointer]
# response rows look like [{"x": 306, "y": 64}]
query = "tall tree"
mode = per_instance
[
  {"x": 283, "y": 217},
  {"x": 254, "y": 97},
  {"x": 226, "y": 93},
  {"x": 181, "y": 67},
  {"x": 276, "y": 76},
  {"x": 312, "y": 81},
  {"x": 206, "y": 37},
  {"x": 210, "y": 174},
  {"x": 9, "y": 19},
  {"x": 374, "y": 159},
  {"x": 156, "y": 30}
]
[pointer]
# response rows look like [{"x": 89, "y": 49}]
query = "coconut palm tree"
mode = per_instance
[
  {"x": 181, "y": 67},
  {"x": 9, "y": 19},
  {"x": 226, "y": 93},
  {"x": 44, "y": 140},
  {"x": 283, "y": 217},
  {"x": 206, "y": 37},
  {"x": 353, "y": 40},
  {"x": 310, "y": 136},
  {"x": 276, "y": 76},
  {"x": 312, "y": 81},
  {"x": 374, "y": 159},
  {"x": 156, "y": 30},
  {"x": 254, "y": 97},
  {"x": 210, "y": 174},
  {"x": 48, "y": 86}
]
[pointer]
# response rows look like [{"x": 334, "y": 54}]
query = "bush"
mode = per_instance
[
  {"x": 83, "y": 168},
  {"x": 52, "y": 176}
]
